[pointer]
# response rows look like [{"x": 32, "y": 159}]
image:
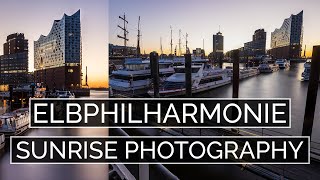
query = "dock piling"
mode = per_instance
[
  {"x": 312, "y": 93},
  {"x": 235, "y": 83},
  {"x": 188, "y": 74},
  {"x": 32, "y": 90},
  {"x": 11, "y": 97},
  {"x": 154, "y": 63}
]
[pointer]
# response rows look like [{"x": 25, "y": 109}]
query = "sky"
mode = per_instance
[
  {"x": 238, "y": 19},
  {"x": 35, "y": 17}
]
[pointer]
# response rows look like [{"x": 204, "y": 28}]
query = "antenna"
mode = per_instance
[
  {"x": 125, "y": 33},
  {"x": 161, "y": 45},
  {"x": 219, "y": 28},
  {"x": 305, "y": 48},
  {"x": 203, "y": 43},
  {"x": 171, "y": 39},
  {"x": 180, "y": 53},
  {"x": 138, "y": 36},
  {"x": 87, "y": 76},
  {"x": 187, "y": 43}
]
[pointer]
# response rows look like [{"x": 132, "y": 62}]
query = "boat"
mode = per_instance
[
  {"x": 39, "y": 91},
  {"x": 2, "y": 140},
  {"x": 283, "y": 63},
  {"x": 134, "y": 78},
  {"x": 307, "y": 69},
  {"x": 14, "y": 123},
  {"x": 268, "y": 68},
  {"x": 60, "y": 94},
  {"x": 243, "y": 72},
  {"x": 204, "y": 77}
]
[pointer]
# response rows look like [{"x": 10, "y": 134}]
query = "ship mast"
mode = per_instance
[
  {"x": 138, "y": 36},
  {"x": 125, "y": 33}
]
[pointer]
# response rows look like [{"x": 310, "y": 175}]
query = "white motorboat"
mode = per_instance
[
  {"x": 268, "y": 68},
  {"x": 65, "y": 94},
  {"x": 243, "y": 72},
  {"x": 204, "y": 78},
  {"x": 135, "y": 78},
  {"x": 305, "y": 76},
  {"x": 2, "y": 140},
  {"x": 15, "y": 123},
  {"x": 283, "y": 63}
]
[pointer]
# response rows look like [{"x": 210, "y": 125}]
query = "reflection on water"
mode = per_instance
[
  {"x": 281, "y": 84},
  {"x": 56, "y": 172}
]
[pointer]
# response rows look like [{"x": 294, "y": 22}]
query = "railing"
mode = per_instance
[{"x": 143, "y": 171}]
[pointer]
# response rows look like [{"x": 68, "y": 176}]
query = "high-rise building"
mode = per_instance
[
  {"x": 218, "y": 46},
  {"x": 57, "y": 56},
  {"x": 199, "y": 52},
  {"x": 286, "y": 42},
  {"x": 257, "y": 46},
  {"x": 16, "y": 43},
  {"x": 14, "y": 62}
]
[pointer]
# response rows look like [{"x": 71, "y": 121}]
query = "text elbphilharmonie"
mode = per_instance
[{"x": 187, "y": 113}]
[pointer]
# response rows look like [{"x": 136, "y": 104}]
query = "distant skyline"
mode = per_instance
[
  {"x": 35, "y": 17},
  {"x": 201, "y": 19}
]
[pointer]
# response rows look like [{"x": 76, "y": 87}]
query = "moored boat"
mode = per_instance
[
  {"x": 15, "y": 123},
  {"x": 243, "y": 72},
  {"x": 204, "y": 78},
  {"x": 305, "y": 76},
  {"x": 135, "y": 78},
  {"x": 268, "y": 68},
  {"x": 61, "y": 94},
  {"x": 2, "y": 140},
  {"x": 283, "y": 63}
]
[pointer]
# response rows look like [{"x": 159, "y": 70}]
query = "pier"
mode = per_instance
[{"x": 285, "y": 83}]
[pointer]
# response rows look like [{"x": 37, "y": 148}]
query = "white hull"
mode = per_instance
[
  {"x": 269, "y": 69},
  {"x": 15, "y": 123},
  {"x": 305, "y": 76},
  {"x": 199, "y": 89},
  {"x": 245, "y": 73},
  {"x": 2, "y": 141}
]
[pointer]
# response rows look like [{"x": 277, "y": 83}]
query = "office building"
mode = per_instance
[
  {"x": 14, "y": 62},
  {"x": 218, "y": 46},
  {"x": 256, "y": 47}
]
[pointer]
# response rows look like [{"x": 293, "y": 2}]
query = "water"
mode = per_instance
[
  {"x": 55, "y": 172},
  {"x": 281, "y": 84}
]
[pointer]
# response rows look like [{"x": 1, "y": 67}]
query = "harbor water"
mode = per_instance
[
  {"x": 282, "y": 84},
  {"x": 55, "y": 172}
]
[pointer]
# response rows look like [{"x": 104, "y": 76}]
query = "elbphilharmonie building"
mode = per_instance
[
  {"x": 286, "y": 42},
  {"x": 57, "y": 56}
]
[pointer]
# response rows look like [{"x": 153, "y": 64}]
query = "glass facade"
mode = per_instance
[
  {"x": 286, "y": 42},
  {"x": 257, "y": 46},
  {"x": 57, "y": 56},
  {"x": 62, "y": 45},
  {"x": 14, "y": 62}
]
